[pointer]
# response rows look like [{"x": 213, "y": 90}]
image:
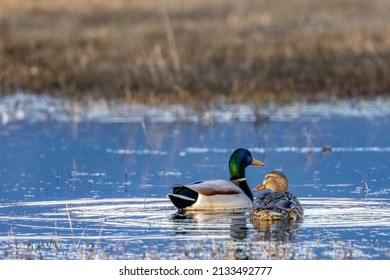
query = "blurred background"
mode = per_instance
[{"x": 195, "y": 52}]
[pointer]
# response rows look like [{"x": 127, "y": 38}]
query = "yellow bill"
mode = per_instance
[
  {"x": 259, "y": 188},
  {"x": 257, "y": 162}
]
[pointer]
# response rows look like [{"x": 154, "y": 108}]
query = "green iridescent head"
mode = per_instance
[{"x": 239, "y": 161}]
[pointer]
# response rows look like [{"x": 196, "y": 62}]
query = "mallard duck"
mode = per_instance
[
  {"x": 279, "y": 203},
  {"x": 219, "y": 194}
]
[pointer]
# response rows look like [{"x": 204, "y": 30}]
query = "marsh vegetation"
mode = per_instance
[{"x": 194, "y": 52}]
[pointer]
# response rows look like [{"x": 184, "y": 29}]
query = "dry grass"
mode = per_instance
[
  {"x": 186, "y": 51},
  {"x": 201, "y": 250}
]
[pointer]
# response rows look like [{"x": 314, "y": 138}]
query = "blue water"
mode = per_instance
[{"x": 96, "y": 189}]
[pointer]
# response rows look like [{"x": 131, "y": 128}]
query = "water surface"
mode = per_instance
[{"x": 93, "y": 185}]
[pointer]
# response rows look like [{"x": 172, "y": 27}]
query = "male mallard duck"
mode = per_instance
[
  {"x": 279, "y": 203},
  {"x": 219, "y": 194}
]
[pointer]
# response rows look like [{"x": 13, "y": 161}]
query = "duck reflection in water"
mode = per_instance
[
  {"x": 235, "y": 224},
  {"x": 275, "y": 230},
  {"x": 218, "y": 223}
]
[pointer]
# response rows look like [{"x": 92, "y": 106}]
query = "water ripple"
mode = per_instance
[{"x": 139, "y": 221}]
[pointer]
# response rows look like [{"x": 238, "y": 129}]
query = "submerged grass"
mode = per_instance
[{"x": 186, "y": 51}]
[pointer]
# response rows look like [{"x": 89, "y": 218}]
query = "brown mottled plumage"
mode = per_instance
[{"x": 280, "y": 204}]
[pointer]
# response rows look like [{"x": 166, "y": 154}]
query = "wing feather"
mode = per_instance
[{"x": 215, "y": 187}]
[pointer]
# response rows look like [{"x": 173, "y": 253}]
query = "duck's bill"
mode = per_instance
[
  {"x": 257, "y": 162},
  {"x": 259, "y": 188}
]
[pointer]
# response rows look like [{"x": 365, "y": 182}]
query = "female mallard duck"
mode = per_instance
[
  {"x": 219, "y": 194},
  {"x": 279, "y": 204}
]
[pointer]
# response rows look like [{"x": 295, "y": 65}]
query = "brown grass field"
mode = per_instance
[{"x": 192, "y": 52}]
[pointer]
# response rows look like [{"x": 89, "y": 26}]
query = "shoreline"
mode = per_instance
[{"x": 46, "y": 108}]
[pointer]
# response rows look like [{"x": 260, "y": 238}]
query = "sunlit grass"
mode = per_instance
[
  {"x": 207, "y": 249},
  {"x": 193, "y": 52}
]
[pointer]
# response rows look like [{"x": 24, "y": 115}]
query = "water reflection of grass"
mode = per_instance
[{"x": 186, "y": 51}]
